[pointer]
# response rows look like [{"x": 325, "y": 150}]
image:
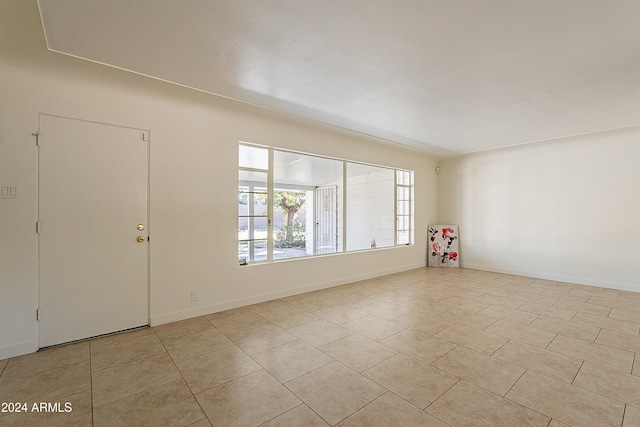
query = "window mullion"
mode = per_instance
[
  {"x": 410, "y": 213},
  {"x": 395, "y": 207},
  {"x": 251, "y": 225},
  {"x": 270, "y": 201},
  {"x": 344, "y": 206}
]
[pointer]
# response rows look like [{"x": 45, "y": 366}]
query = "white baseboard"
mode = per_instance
[
  {"x": 214, "y": 308},
  {"x": 555, "y": 277},
  {"x": 18, "y": 349}
]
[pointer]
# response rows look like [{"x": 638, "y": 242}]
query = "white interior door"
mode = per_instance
[
  {"x": 326, "y": 220},
  {"x": 93, "y": 259}
]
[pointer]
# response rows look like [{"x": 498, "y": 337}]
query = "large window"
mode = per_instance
[
  {"x": 292, "y": 205},
  {"x": 404, "y": 207},
  {"x": 253, "y": 204},
  {"x": 370, "y": 203}
]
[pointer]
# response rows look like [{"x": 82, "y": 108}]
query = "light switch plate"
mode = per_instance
[{"x": 8, "y": 191}]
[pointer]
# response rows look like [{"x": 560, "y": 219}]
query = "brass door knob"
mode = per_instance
[{"x": 140, "y": 239}]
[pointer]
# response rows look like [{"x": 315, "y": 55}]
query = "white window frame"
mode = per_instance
[
  {"x": 410, "y": 215},
  {"x": 345, "y": 208}
]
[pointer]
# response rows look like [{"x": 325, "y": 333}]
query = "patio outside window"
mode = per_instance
[{"x": 294, "y": 204}]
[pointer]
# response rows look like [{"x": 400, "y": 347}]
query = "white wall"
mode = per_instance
[
  {"x": 566, "y": 209},
  {"x": 194, "y": 156}
]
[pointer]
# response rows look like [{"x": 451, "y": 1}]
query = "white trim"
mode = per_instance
[
  {"x": 558, "y": 278},
  {"x": 270, "y": 209},
  {"x": 214, "y": 308}
]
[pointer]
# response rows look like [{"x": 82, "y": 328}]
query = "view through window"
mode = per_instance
[{"x": 294, "y": 204}]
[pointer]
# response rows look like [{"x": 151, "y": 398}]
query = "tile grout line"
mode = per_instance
[
  {"x": 597, "y": 335},
  {"x": 439, "y": 397},
  {"x": 134, "y": 394},
  {"x": 300, "y": 398},
  {"x": 390, "y": 289},
  {"x": 577, "y": 372},
  {"x": 182, "y": 376}
]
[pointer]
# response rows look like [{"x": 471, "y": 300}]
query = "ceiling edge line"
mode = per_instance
[
  {"x": 381, "y": 139},
  {"x": 546, "y": 140},
  {"x": 44, "y": 30}
]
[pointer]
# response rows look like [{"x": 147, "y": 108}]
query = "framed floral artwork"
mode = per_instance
[{"x": 443, "y": 246}]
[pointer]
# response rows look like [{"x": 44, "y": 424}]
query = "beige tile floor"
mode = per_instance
[{"x": 427, "y": 347}]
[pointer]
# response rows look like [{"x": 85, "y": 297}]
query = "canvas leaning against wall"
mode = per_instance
[{"x": 443, "y": 246}]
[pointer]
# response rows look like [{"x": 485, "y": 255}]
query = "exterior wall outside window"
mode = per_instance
[{"x": 295, "y": 204}]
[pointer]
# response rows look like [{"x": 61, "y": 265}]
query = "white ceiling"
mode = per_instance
[{"x": 447, "y": 76}]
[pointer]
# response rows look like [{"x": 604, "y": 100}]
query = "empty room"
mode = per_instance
[{"x": 297, "y": 213}]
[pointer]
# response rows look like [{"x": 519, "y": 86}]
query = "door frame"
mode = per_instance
[{"x": 146, "y": 136}]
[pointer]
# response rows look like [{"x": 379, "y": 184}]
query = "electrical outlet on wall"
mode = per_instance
[{"x": 194, "y": 296}]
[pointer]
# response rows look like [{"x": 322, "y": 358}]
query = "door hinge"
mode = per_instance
[
  {"x": 37, "y": 227},
  {"x": 37, "y": 135},
  {"x": 37, "y": 314},
  {"x": 146, "y": 137}
]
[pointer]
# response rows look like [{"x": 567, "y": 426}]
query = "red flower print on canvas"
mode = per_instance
[
  {"x": 448, "y": 232},
  {"x": 436, "y": 248},
  {"x": 443, "y": 246}
]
